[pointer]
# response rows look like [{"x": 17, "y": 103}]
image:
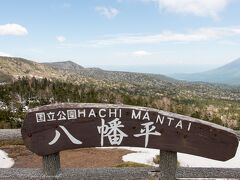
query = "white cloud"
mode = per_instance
[
  {"x": 202, "y": 34},
  {"x": 13, "y": 29},
  {"x": 61, "y": 39},
  {"x": 196, "y": 7},
  {"x": 141, "y": 53},
  {"x": 108, "y": 12},
  {"x": 5, "y": 54}
]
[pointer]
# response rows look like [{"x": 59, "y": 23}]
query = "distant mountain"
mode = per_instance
[
  {"x": 11, "y": 68},
  {"x": 227, "y": 74},
  {"x": 103, "y": 75},
  {"x": 65, "y": 65},
  {"x": 125, "y": 82}
]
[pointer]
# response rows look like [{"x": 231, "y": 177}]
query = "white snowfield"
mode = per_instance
[
  {"x": 5, "y": 161},
  {"x": 145, "y": 156}
]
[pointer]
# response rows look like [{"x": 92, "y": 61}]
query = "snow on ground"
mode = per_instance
[
  {"x": 141, "y": 155},
  {"x": 5, "y": 161},
  {"x": 196, "y": 161},
  {"x": 145, "y": 156}
]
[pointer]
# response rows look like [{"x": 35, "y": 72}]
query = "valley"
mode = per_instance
[{"x": 26, "y": 84}]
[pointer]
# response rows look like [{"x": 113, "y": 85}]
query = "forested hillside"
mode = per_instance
[{"x": 20, "y": 95}]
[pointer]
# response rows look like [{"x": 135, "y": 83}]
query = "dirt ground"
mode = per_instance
[{"x": 85, "y": 158}]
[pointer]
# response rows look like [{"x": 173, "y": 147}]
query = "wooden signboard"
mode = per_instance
[{"x": 53, "y": 128}]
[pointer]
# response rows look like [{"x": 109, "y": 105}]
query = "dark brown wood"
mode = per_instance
[
  {"x": 15, "y": 134},
  {"x": 53, "y": 128}
]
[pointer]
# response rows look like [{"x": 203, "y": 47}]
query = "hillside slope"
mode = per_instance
[
  {"x": 130, "y": 83},
  {"x": 13, "y": 68},
  {"x": 227, "y": 74},
  {"x": 66, "y": 65},
  {"x": 112, "y": 76},
  {"x": 213, "y": 102}
]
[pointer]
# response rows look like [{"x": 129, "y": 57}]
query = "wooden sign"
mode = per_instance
[{"x": 53, "y": 128}]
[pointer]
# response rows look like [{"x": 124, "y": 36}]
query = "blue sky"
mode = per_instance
[{"x": 122, "y": 32}]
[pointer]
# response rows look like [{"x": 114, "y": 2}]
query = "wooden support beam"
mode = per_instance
[
  {"x": 51, "y": 165},
  {"x": 167, "y": 166}
]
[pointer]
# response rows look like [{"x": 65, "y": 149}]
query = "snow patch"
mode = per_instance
[
  {"x": 146, "y": 155},
  {"x": 5, "y": 161},
  {"x": 196, "y": 161},
  {"x": 141, "y": 155}
]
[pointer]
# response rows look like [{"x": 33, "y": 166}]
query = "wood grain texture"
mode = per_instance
[
  {"x": 15, "y": 134},
  {"x": 202, "y": 138}
]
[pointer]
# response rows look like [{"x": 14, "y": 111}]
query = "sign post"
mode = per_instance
[
  {"x": 51, "y": 164},
  {"x": 50, "y": 129},
  {"x": 168, "y": 165}
]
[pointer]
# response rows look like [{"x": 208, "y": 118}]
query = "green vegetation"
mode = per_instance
[
  {"x": 156, "y": 160},
  {"x": 16, "y": 97},
  {"x": 11, "y": 142},
  {"x": 131, "y": 164}
]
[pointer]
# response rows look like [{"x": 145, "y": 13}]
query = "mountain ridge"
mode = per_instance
[
  {"x": 64, "y": 65},
  {"x": 13, "y": 68},
  {"x": 99, "y": 73},
  {"x": 227, "y": 74}
]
